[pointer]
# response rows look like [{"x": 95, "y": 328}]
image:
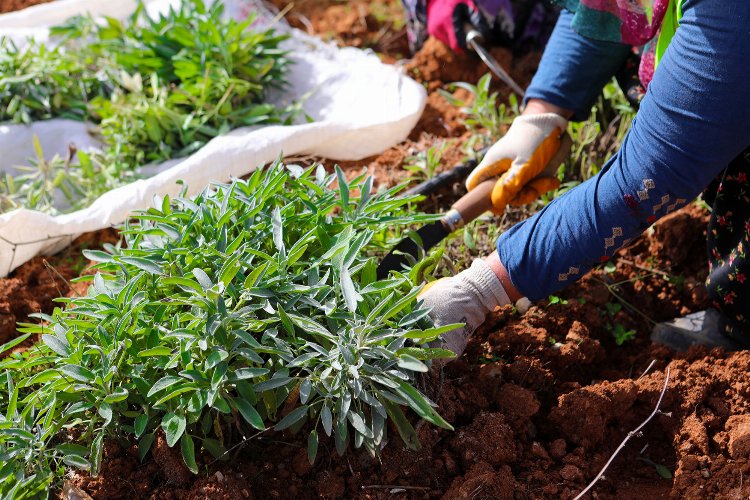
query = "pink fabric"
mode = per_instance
[
  {"x": 646, "y": 69},
  {"x": 639, "y": 25},
  {"x": 440, "y": 21},
  {"x": 641, "y": 19}
]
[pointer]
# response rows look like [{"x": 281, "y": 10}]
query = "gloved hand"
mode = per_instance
[
  {"x": 520, "y": 159},
  {"x": 465, "y": 298},
  {"x": 447, "y": 21}
]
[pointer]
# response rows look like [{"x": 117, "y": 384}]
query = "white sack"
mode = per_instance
[{"x": 361, "y": 107}]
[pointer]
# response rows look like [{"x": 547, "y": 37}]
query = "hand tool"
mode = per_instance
[
  {"x": 466, "y": 209},
  {"x": 474, "y": 40},
  {"x": 444, "y": 179}
]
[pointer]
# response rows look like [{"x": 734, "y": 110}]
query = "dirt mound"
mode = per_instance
[
  {"x": 484, "y": 482},
  {"x": 440, "y": 118},
  {"x": 435, "y": 65},
  {"x": 376, "y": 25}
]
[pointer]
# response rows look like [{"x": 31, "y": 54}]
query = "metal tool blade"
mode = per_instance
[
  {"x": 473, "y": 38},
  {"x": 431, "y": 235}
]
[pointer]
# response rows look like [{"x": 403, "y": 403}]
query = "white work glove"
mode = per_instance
[
  {"x": 520, "y": 159},
  {"x": 465, "y": 298}
]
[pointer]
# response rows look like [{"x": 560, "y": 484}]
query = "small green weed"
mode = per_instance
[
  {"x": 490, "y": 358},
  {"x": 484, "y": 116},
  {"x": 622, "y": 334},
  {"x": 613, "y": 308},
  {"x": 662, "y": 470},
  {"x": 554, "y": 299},
  {"x": 618, "y": 330},
  {"x": 424, "y": 164}
]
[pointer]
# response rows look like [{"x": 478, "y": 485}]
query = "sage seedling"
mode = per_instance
[{"x": 252, "y": 307}]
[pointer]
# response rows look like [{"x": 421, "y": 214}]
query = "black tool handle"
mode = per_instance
[
  {"x": 408, "y": 249},
  {"x": 444, "y": 179},
  {"x": 470, "y": 206}
]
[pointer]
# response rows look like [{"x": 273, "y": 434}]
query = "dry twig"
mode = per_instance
[
  {"x": 394, "y": 487},
  {"x": 644, "y": 268},
  {"x": 648, "y": 369},
  {"x": 50, "y": 270},
  {"x": 627, "y": 438}
]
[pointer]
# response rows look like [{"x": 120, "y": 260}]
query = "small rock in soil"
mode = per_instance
[
  {"x": 695, "y": 435},
  {"x": 571, "y": 473},
  {"x": 517, "y": 402},
  {"x": 550, "y": 490},
  {"x": 583, "y": 415},
  {"x": 738, "y": 427},
  {"x": 482, "y": 481},
  {"x": 579, "y": 347},
  {"x": 72, "y": 492},
  {"x": 558, "y": 448},
  {"x": 538, "y": 450},
  {"x": 300, "y": 464}
]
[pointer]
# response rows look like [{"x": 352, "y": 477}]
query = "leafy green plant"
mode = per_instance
[
  {"x": 182, "y": 78},
  {"x": 38, "y": 82},
  {"x": 484, "y": 117},
  {"x": 252, "y": 307},
  {"x": 618, "y": 330},
  {"x": 583, "y": 154},
  {"x": 27, "y": 462},
  {"x": 554, "y": 299},
  {"x": 156, "y": 87},
  {"x": 596, "y": 139},
  {"x": 660, "y": 469},
  {"x": 424, "y": 164},
  {"x": 75, "y": 181},
  {"x": 613, "y": 308}
]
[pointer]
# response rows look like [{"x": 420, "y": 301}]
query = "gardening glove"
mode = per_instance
[
  {"x": 521, "y": 160},
  {"x": 449, "y": 21},
  {"x": 465, "y": 298}
]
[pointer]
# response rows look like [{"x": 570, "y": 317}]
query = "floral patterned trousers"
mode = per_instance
[{"x": 728, "y": 280}]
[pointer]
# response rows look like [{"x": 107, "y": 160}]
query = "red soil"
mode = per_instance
[
  {"x": 11, "y": 5},
  {"x": 33, "y": 287},
  {"x": 539, "y": 402}
]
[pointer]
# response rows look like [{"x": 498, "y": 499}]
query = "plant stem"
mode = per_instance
[
  {"x": 627, "y": 438},
  {"x": 624, "y": 302},
  {"x": 644, "y": 268}
]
